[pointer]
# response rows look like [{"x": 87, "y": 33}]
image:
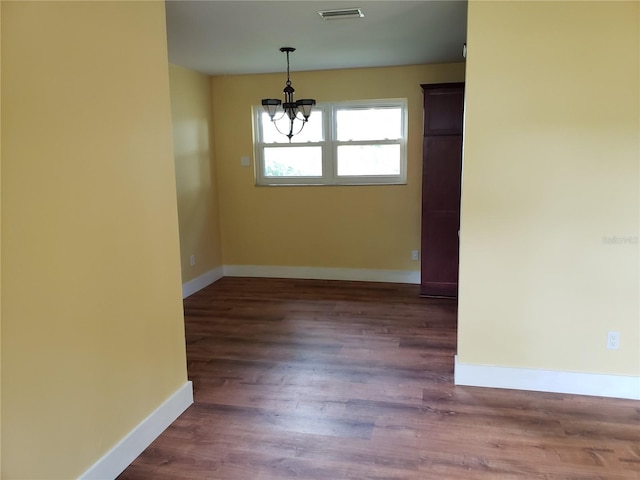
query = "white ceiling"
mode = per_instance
[{"x": 241, "y": 36}]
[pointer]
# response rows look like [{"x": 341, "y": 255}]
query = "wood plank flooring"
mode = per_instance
[{"x": 306, "y": 379}]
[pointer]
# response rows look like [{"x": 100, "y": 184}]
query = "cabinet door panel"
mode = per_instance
[{"x": 443, "y": 111}]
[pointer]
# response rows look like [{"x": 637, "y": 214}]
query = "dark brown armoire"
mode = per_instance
[{"x": 441, "y": 177}]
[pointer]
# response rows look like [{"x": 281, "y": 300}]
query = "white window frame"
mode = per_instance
[{"x": 330, "y": 147}]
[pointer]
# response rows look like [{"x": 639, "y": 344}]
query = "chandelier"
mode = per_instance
[{"x": 295, "y": 110}]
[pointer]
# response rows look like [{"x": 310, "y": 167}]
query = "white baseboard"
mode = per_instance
[
  {"x": 600, "y": 385},
  {"x": 198, "y": 283},
  {"x": 323, "y": 273},
  {"x": 137, "y": 440}
]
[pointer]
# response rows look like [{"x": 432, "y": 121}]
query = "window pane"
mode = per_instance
[
  {"x": 369, "y": 124},
  {"x": 293, "y": 161},
  {"x": 312, "y": 131},
  {"x": 354, "y": 160}
]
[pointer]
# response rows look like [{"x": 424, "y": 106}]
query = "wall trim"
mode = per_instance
[
  {"x": 204, "y": 280},
  {"x": 576, "y": 383},
  {"x": 137, "y": 440},
  {"x": 323, "y": 273}
]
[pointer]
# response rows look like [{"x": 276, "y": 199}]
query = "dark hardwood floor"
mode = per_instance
[{"x": 305, "y": 379}]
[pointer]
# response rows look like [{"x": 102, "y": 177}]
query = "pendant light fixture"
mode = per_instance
[{"x": 295, "y": 110}]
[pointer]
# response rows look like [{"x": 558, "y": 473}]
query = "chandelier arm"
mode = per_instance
[
  {"x": 302, "y": 124},
  {"x": 291, "y": 134},
  {"x": 302, "y": 119},
  {"x": 284, "y": 133},
  {"x": 274, "y": 119},
  {"x": 291, "y": 122}
]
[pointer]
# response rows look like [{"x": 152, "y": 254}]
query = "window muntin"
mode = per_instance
[{"x": 346, "y": 143}]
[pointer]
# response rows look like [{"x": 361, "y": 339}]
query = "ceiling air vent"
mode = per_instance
[{"x": 343, "y": 13}]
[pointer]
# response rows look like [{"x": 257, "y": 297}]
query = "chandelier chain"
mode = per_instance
[{"x": 288, "y": 80}]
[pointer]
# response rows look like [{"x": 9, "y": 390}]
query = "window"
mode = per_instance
[{"x": 342, "y": 144}]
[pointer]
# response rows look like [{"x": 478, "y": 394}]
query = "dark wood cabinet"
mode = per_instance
[{"x": 441, "y": 176}]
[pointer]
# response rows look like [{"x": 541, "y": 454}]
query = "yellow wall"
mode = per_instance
[
  {"x": 92, "y": 325},
  {"x": 373, "y": 227},
  {"x": 195, "y": 172},
  {"x": 0, "y": 249},
  {"x": 551, "y": 181}
]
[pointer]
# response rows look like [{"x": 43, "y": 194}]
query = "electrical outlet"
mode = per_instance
[
  {"x": 192, "y": 260},
  {"x": 613, "y": 340},
  {"x": 415, "y": 254}
]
